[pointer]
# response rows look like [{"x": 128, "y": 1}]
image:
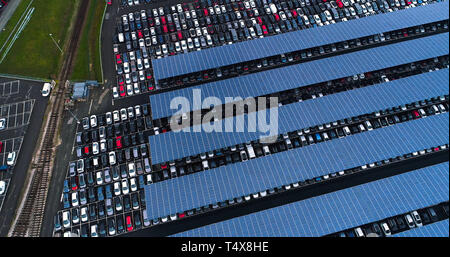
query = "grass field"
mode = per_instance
[
  {"x": 87, "y": 62},
  {"x": 34, "y": 53}
]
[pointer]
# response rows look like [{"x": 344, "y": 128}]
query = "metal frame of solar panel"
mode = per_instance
[
  {"x": 437, "y": 229},
  {"x": 342, "y": 209},
  {"x": 302, "y": 74},
  {"x": 297, "y": 40},
  {"x": 244, "y": 178},
  {"x": 166, "y": 147}
]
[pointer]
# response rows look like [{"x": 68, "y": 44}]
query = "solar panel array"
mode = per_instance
[
  {"x": 276, "y": 80},
  {"x": 165, "y": 147},
  {"x": 243, "y": 178},
  {"x": 297, "y": 40},
  {"x": 342, "y": 209},
  {"x": 437, "y": 229}
]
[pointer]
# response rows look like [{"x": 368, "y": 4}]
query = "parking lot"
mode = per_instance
[
  {"x": 9, "y": 88},
  {"x": 143, "y": 33},
  {"x": 22, "y": 107},
  {"x": 110, "y": 161},
  {"x": 17, "y": 114}
]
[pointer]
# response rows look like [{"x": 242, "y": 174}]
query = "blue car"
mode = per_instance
[
  {"x": 318, "y": 137},
  {"x": 66, "y": 201},
  {"x": 66, "y": 186},
  {"x": 108, "y": 191},
  {"x": 100, "y": 195}
]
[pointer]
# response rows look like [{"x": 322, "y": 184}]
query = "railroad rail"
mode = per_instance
[{"x": 31, "y": 215}]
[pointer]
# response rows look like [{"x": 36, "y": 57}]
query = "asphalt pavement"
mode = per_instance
[{"x": 28, "y": 90}]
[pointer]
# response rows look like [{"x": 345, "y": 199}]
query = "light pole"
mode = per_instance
[{"x": 51, "y": 35}]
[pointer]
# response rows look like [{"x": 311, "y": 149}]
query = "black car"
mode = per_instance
[
  {"x": 120, "y": 227},
  {"x": 137, "y": 220},
  {"x": 102, "y": 228},
  {"x": 92, "y": 212}
]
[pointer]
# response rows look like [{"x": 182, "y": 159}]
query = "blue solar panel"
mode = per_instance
[
  {"x": 437, "y": 229},
  {"x": 343, "y": 209},
  {"x": 166, "y": 147},
  {"x": 276, "y": 80},
  {"x": 297, "y": 40},
  {"x": 243, "y": 178}
]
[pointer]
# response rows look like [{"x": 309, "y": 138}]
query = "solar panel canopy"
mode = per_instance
[
  {"x": 166, "y": 147},
  {"x": 297, "y": 40},
  {"x": 294, "y": 76},
  {"x": 340, "y": 210},
  {"x": 437, "y": 229},
  {"x": 243, "y": 178}
]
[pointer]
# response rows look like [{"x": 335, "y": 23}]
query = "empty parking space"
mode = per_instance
[
  {"x": 9, "y": 88},
  {"x": 17, "y": 114}
]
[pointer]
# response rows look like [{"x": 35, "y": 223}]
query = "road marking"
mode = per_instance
[{"x": 90, "y": 106}]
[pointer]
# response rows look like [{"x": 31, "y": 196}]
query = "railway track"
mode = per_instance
[{"x": 30, "y": 217}]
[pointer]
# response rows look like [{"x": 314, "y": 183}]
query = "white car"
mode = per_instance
[
  {"x": 94, "y": 231},
  {"x": 112, "y": 158},
  {"x": 116, "y": 116},
  {"x": 123, "y": 114},
  {"x": 125, "y": 189},
  {"x": 84, "y": 214},
  {"x": 75, "y": 202},
  {"x": 133, "y": 185},
  {"x": 11, "y": 159},
  {"x": 2, "y": 187},
  {"x": 99, "y": 178},
  {"x": 93, "y": 119},
  {"x": 137, "y": 110},
  {"x": 117, "y": 190},
  {"x": 115, "y": 92},
  {"x": 2, "y": 123},
  {"x": 46, "y": 89},
  {"x": 66, "y": 219},
  {"x": 131, "y": 169}
]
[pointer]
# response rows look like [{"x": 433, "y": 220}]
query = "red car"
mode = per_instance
[
  {"x": 165, "y": 29},
  {"x": 181, "y": 215},
  {"x": 150, "y": 86},
  {"x": 259, "y": 20},
  {"x": 340, "y": 4},
  {"x": 163, "y": 20},
  {"x": 119, "y": 142},
  {"x": 180, "y": 36},
  {"x": 1, "y": 146},
  {"x": 416, "y": 114},
  {"x": 86, "y": 150},
  {"x": 264, "y": 29},
  {"x": 118, "y": 59},
  {"x": 120, "y": 80},
  {"x": 205, "y": 11},
  {"x": 129, "y": 223},
  {"x": 277, "y": 17},
  {"x": 148, "y": 75},
  {"x": 122, "y": 90},
  {"x": 140, "y": 34},
  {"x": 294, "y": 13}
]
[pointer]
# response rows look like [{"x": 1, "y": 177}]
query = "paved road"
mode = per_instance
[
  {"x": 28, "y": 90},
  {"x": 8, "y": 11}
]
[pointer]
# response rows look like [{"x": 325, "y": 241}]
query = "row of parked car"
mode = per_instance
[
  {"x": 300, "y": 138},
  {"x": 178, "y": 29},
  {"x": 296, "y": 57},
  {"x": 399, "y": 223},
  {"x": 166, "y": 31}
]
